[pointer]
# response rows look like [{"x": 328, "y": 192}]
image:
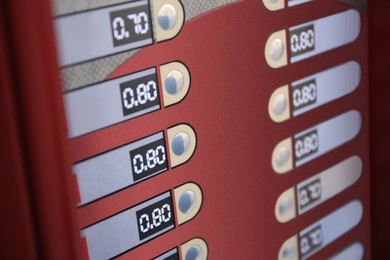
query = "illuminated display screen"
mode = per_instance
[
  {"x": 309, "y": 194},
  {"x": 311, "y": 240},
  {"x": 155, "y": 218},
  {"x": 130, "y": 25},
  {"x": 306, "y": 144},
  {"x": 304, "y": 94},
  {"x": 302, "y": 40},
  {"x": 148, "y": 159},
  {"x": 139, "y": 94}
]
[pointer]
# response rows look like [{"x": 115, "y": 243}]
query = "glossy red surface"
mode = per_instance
[{"x": 228, "y": 107}]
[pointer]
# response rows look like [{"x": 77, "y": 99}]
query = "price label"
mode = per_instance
[
  {"x": 302, "y": 40},
  {"x": 149, "y": 159},
  {"x": 131, "y": 227},
  {"x": 309, "y": 194},
  {"x": 155, "y": 218},
  {"x": 311, "y": 240},
  {"x": 122, "y": 232},
  {"x": 139, "y": 94},
  {"x": 306, "y": 145},
  {"x": 94, "y": 34},
  {"x": 130, "y": 25},
  {"x": 104, "y": 104},
  {"x": 322, "y": 35},
  {"x": 304, "y": 94},
  {"x": 122, "y": 167}
]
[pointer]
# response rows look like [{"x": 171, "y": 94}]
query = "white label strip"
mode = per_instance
[
  {"x": 326, "y": 136},
  {"x": 321, "y": 88},
  {"x": 170, "y": 255},
  {"x": 95, "y": 107},
  {"x": 352, "y": 252},
  {"x": 330, "y": 228},
  {"x": 327, "y": 184},
  {"x": 120, "y": 233},
  {"x": 313, "y": 38},
  {"x": 297, "y": 2},
  {"x": 101, "y": 32},
  {"x": 112, "y": 171}
]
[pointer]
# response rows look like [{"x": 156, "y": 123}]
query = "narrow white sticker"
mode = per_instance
[
  {"x": 330, "y": 228},
  {"x": 101, "y": 32},
  {"x": 324, "y": 87},
  {"x": 297, "y": 2},
  {"x": 325, "y": 34},
  {"x": 324, "y": 137}
]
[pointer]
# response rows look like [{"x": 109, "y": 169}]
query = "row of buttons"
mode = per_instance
[{"x": 303, "y": 96}]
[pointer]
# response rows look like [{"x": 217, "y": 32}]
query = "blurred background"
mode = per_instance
[{"x": 379, "y": 18}]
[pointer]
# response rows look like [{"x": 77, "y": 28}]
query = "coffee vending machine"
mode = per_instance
[{"x": 186, "y": 129}]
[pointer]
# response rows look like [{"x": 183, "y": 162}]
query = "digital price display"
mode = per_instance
[
  {"x": 154, "y": 218},
  {"x": 104, "y": 104},
  {"x": 309, "y": 194},
  {"x": 122, "y": 167},
  {"x": 131, "y": 25},
  {"x": 130, "y": 228},
  {"x": 102, "y": 32},
  {"x": 149, "y": 159},
  {"x": 306, "y": 144},
  {"x": 139, "y": 94},
  {"x": 304, "y": 94},
  {"x": 311, "y": 240},
  {"x": 302, "y": 40}
]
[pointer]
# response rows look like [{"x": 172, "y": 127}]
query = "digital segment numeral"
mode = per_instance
[
  {"x": 148, "y": 159},
  {"x": 304, "y": 94},
  {"x": 139, "y": 94},
  {"x": 306, "y": 145},
  {"x": 309, "y": 193},
  {"x": 155, "y": 218},
  {"x": 311, "y": 240},
  {"x": 130, "y": 25},
  {"x": 302, "y": 40}
]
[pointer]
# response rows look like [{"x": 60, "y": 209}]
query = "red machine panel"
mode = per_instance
[
  {"x": 230, "y": 129},
  {"x": 267, "y": 103}
]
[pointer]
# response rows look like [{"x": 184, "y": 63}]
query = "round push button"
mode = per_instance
[
  {"x": 194, "y": 253},
  {"x": 285, "y": 206},
  {"x": 174, "y": 82},
  {"x": 282, "y": 156},
  {"x": 180, "y": 143},
  {"x": 276, "y": 49},
  {"x": 167, "y": 17},
  {"x": 280, "y": 104},
  {"x": 187, "y": 201}
]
